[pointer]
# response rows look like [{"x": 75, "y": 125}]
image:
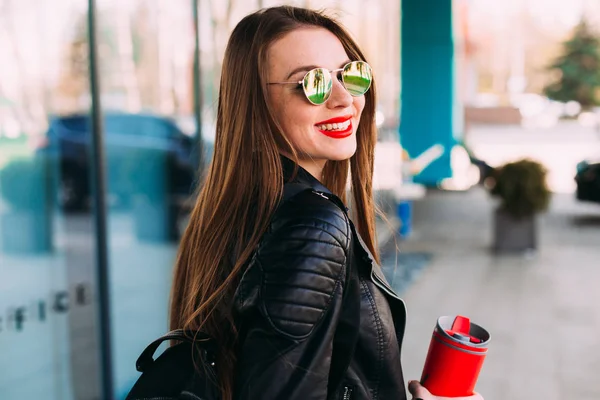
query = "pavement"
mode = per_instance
[{"x": 542, "y": 309}]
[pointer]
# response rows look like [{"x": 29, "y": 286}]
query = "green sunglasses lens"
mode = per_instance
[
  {"x": 357, "y": 77},
  {"x": 317, "y": 85}
]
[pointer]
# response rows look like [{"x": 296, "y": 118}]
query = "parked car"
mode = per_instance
[
  {"x": 588, "y": 181},
  {"x": 128, "y": 138}
]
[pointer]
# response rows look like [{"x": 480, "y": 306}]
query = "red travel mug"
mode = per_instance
[{"x": 456, "y": 353}]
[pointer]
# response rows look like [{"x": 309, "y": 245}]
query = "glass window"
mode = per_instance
[
  {"x": 146, "y": 56},
  {"x": 47, "y": 307}
]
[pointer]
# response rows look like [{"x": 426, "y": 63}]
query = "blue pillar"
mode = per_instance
[{"x": 427, "y": 62}]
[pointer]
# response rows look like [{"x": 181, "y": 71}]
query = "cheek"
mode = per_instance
[
  {"x": 359, "y": 104},
  {"x": 298, "y": 117},
  {"x": 276, "y": 103},
  {"x": 283, "y": 113}
]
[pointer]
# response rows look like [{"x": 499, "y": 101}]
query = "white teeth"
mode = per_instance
[{"x": 334, "y": 127}]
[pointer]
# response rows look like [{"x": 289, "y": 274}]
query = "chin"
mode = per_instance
[
  {"x": 346, "y": 150},
  {"x": 342, "y": 153}
]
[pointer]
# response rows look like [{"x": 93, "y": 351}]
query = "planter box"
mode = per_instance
[
  {"x": 26, "y": 232},
  {"x": 513, "y": 235}
]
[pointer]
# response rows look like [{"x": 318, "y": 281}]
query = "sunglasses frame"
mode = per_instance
[{"x": 331, "y": 74}]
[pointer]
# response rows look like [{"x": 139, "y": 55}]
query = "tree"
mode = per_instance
[{"x": 578, "y": 69}]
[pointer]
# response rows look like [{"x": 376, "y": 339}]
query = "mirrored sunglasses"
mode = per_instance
[{"x": 317, "y": 84}]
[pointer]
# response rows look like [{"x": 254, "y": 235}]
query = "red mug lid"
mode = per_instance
[{"x": 460, "y": 330}]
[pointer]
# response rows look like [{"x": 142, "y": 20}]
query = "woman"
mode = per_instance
[{"x": 268, "y": 280}]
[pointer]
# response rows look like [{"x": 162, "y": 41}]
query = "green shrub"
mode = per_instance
[{"x": 522, "y": 188}]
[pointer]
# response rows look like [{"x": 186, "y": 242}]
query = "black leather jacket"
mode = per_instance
[{"x": 289, "y": 299}]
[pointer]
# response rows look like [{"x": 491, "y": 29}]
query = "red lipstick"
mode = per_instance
[
  {"x": 335, "y": 120},
  {"x": 337, "y": 134}
]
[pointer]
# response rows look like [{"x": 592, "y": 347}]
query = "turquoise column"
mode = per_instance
[{"x": 427, "y": 73}]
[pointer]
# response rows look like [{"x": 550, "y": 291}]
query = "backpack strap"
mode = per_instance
[{"x": 147, "y": 357}]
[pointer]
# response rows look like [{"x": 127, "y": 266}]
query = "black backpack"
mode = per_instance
[
  {"x": 188, "y": 370},
  {"x": 173, "y": 375}
]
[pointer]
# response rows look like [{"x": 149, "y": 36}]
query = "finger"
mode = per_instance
[{"x": 418, "y": 391}]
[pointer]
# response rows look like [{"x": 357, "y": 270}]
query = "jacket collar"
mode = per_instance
[{"x": 294, "y": 173}]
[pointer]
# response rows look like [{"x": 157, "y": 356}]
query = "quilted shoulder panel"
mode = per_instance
[{"x": 303, "y": 259}]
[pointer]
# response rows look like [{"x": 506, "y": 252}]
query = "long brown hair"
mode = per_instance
[{"x": 245, "y": 181}]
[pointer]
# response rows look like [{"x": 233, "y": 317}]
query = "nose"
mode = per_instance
[{"x": 340, "y": 97}]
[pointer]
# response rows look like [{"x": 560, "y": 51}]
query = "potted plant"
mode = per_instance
[
  {"x": 26, "y": 224},
  {"x": 523, "y": 192}
]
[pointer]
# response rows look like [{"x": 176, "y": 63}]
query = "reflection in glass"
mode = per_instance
[
  {"x": 317, "y": 85},
  {"x": 47, "y": 322},
  {"x": 146, "y": 50},
  {"x": 357, "y": 77}
]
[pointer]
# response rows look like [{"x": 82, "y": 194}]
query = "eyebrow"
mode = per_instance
[{"x": 306, "y": 68}]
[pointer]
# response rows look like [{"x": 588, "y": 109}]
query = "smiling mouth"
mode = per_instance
[
  {"x": 341, "y": 126},
  {"x": 337, "y": 128}
]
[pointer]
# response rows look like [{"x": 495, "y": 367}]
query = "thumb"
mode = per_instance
[{"x": 418, "y": 391}]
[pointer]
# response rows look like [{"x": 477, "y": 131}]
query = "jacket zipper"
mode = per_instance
[{"x": 347, "y": 393}]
